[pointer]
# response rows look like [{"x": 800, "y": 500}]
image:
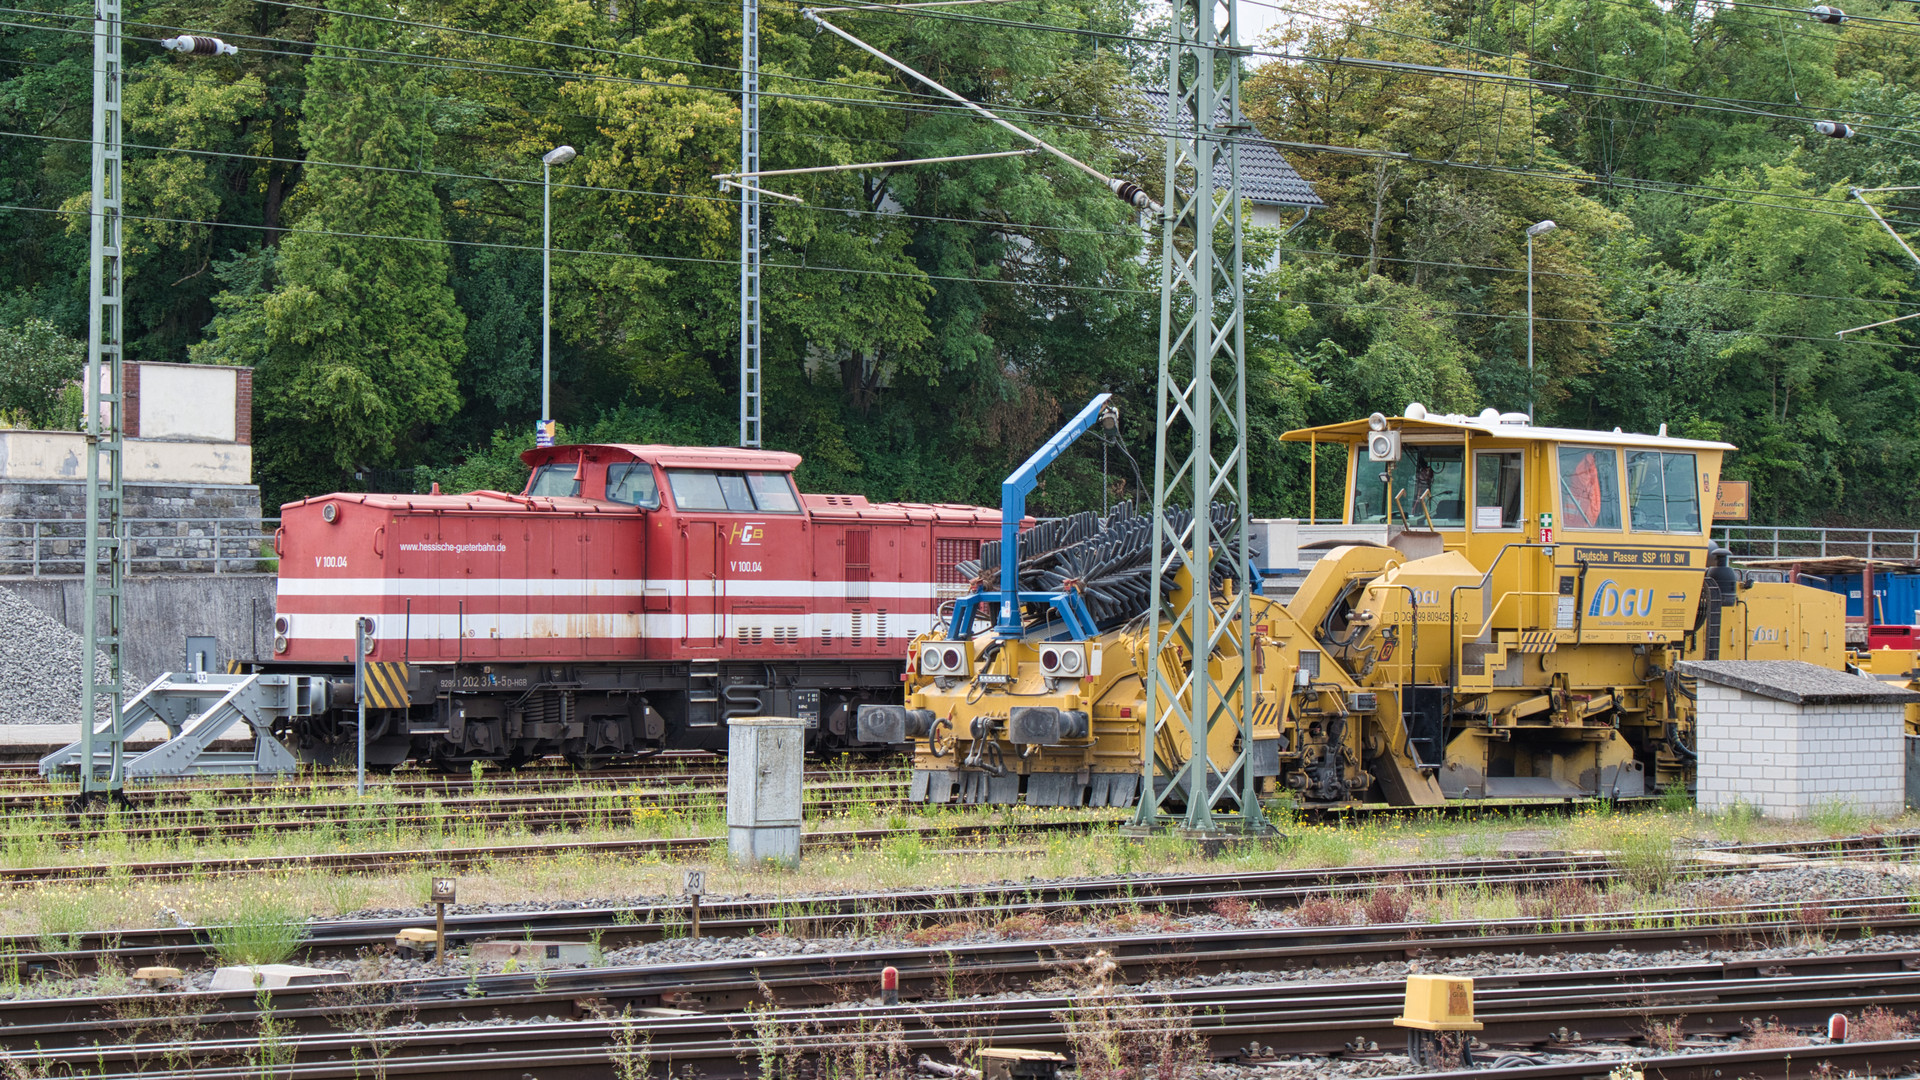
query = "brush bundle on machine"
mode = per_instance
[{"x": 1105, "y": 560}]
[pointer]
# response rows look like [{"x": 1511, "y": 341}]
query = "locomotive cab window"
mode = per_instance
[
  {"x": 746, "y": 492},
  {"x": 558, "y": 481},
  {"x": 1662, "y": 495},
  {"x": 1496, "y": 489},
  {"x": 1589, "y": 488},
  {"x": 1429, "y": 488},
  {"x": 633, "y": 484}
]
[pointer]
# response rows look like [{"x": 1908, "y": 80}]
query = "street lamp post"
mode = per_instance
[
  {"x": 1536, "y": 229},
  {"x": 559, "y": 155}
]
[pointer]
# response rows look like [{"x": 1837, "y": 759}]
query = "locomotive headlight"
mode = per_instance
[
  {"x": 954, "y": 662},
  {"x": 282, "y": 626},
  {"x": 279, "y": 643},
  {"x": 930, "y": 662},
  {"x": 1071, "y": 662},
  {"x": 1049, "y": 660}
]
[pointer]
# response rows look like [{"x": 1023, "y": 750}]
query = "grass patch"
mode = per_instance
[{"x": 264, "y": 933}]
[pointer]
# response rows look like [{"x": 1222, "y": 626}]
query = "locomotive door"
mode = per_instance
[{"x": 702, "y": 614}]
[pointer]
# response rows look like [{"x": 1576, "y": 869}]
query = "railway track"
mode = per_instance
[
  {"x": 984, "y": 905},
  {"x": 378, "y": 816},
  {"x": 1246, "y": 1021},
  {"x": 454, "y": 858},
  {"x": 40, "y": 795}
]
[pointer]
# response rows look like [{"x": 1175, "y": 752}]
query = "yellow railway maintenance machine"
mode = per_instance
[{"x": 1515, "y": 637}]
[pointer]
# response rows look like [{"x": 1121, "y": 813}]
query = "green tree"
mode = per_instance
[
  {"x": 38, "y": 369},
  {"x": 359, "y": 338}
]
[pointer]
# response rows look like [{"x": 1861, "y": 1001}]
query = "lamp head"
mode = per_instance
[
  {"x": 1541, "y": 228},
  {"x": 559, "y": 155}
]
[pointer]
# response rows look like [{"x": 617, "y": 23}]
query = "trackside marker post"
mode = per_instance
[
  {"x": 443, "y": 894},
  {"x": 889, "y": 986},
  {"x": 693, "y": 884}
]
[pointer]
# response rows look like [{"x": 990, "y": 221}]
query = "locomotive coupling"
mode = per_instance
[
  {"x": 893, "y": 723},
  {"x": 1045, "y": 725}
]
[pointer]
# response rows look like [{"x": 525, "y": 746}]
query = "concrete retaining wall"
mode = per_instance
[
  {"x": 164, "y": 610},
  {"x": 1787, "y": 759}
]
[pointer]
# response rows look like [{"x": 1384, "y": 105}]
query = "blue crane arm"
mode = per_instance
[{"x": 1013, "y": 508}]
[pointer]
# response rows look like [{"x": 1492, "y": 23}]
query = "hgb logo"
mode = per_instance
[
  {"x": 749, "y": 533},
  {"x": 1610, "y": 600}
]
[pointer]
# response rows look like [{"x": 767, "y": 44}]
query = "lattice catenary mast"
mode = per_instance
[
  {"x": 1202, "y": 320},
  {"x": 749, "y": 224}
]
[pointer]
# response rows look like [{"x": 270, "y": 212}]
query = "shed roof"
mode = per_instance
[
  {"x": 1797, "y": 682},
  {"x": 1266, "y": 176}
]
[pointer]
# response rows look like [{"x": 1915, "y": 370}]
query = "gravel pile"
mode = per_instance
[{"x": 39, "y": 666}]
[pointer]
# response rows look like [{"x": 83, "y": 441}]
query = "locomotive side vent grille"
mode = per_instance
[
  {"x": 854, "y": 638},
  {"x": 880, "y": 631},
  {"x": 826, "y": 636},
  {"x": 750, "y": 635}
]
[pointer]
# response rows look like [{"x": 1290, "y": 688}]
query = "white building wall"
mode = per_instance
[{"x": 1787, "y": 760}]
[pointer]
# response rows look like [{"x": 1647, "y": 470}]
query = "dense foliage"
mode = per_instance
[{"x": 353, "y": 206}]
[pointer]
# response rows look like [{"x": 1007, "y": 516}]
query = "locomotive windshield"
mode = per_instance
[
  {"x": 633, "y": 484},
  {"x": 748, "y": 492},
  {"x": 561, "y": 481},
  {"x": 1429, "y": 488}
]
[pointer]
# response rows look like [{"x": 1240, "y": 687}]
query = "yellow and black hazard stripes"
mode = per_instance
[
  {"x": 1538, "y": 641},
  {"x": 1265, "y": 712},
  {"x": 387, "y": 685}
]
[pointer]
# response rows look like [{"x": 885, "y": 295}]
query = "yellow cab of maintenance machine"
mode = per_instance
[
  {"x": 1556, "y": 576},
  {"x": 1516, "y": 635}
]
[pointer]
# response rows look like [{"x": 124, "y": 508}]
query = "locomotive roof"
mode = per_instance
[
  {"x": 495, "y": 501},
  {"x": 1501, "y": 426},
  {"x": 673, "y": 457}
]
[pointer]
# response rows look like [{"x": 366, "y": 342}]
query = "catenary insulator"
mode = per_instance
[
  {"x": 199, "y": 45},
  {"x": 1831, "y": 15},
  {"x": 1833, "y": 129}
]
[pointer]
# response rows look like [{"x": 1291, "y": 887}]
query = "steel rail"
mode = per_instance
[
  {"x": 532, "y": 812},
  {"x": 626, "y": 925},
  {"x": 932, "y": 970},
  {"x": 1325, "y": 1018},
  {"x": 451, "y": 859}
]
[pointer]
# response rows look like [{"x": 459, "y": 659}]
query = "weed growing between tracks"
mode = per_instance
[
  {"x": 266, "y": 934},
  {"x": 1117, "y": 1037}
]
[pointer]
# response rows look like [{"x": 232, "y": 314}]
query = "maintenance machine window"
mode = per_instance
[
  {"x": 1429, "y": 488},
  {"x": 1496, "y": 489},
  {"x": 1589, "y": 488},
  {"x": 1661, "y": 492}
]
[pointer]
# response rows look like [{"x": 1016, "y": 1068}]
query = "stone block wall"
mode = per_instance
[
  {"x": 174, "y": 528},
  {"x": 1787, "y": 760}
]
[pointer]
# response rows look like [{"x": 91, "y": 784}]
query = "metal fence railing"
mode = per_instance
[
  {"x": 1812, "y": 542},
  {"x": 56, "y": 547}
]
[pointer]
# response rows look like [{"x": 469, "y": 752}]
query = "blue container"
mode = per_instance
[{"x": 1896, "y": 597}]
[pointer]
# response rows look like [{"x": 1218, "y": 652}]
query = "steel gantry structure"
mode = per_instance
[{"x": 1201, "y": 397}]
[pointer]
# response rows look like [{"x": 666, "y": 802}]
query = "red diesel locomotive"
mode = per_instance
[{"x": 631, "y": 598}]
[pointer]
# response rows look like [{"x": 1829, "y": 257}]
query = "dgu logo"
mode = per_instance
[
  {"x": 1765, "y": 634},
  {"x": 1610, "y": 600}
]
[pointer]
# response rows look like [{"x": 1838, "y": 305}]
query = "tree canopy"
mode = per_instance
[{"x": 352, "y": 205}]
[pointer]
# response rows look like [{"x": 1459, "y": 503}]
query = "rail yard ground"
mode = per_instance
[{"x": 1600, "y": 937}]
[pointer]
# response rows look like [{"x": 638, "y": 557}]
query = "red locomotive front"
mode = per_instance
[{"x": 630, "y": 597}]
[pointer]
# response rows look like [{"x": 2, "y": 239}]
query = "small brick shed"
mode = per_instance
[{"x": 1786, "y": 737}]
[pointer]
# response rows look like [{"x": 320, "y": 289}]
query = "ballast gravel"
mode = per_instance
[{"x": 40, "y": 666}]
